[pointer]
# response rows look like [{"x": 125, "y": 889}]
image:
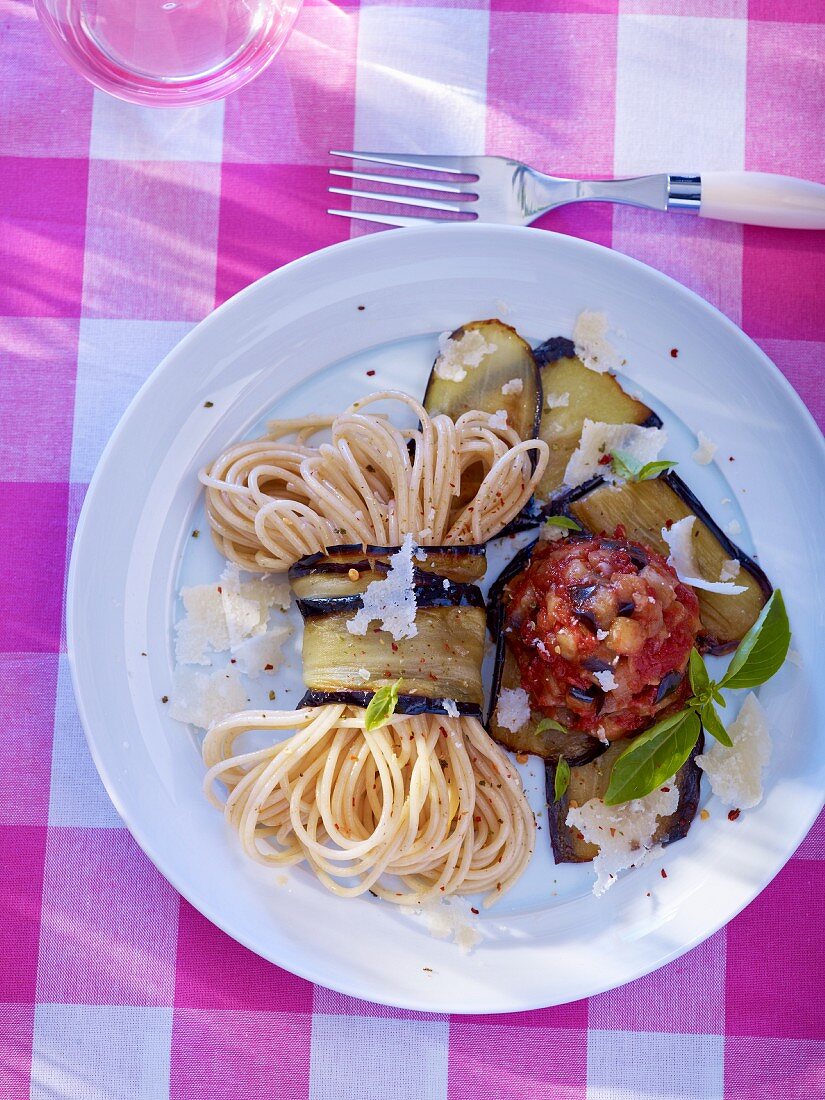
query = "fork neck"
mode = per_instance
[{"x": 657, "y": 192}]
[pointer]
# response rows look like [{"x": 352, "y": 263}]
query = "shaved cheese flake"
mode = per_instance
[
  {"x": 599, "y": 439},
  {"x": 735, "y": 774},
  {"x": 557, "y": 400},
  {"x": 682, "y": 558},
  {"x": 451, "y": 708},
  {"x": 624, "y": 834},
  {"x": 201, "y": 698},
  {"x": 262, "y": 652},
  {"x": 703, "y": 455},
  {"x": 456, "y": 357},
  {"x": 513, "y": 709},
  {"x": 390, "y": 601},
  {"x": 606, "y": 680},
  {"x": 515, "y": 385},
  {"x": 498, "y": 419},
  {"x": 203, "y": 628},
  {"x": 731, "y": 568},
  {"x": 592, "y": 345}
]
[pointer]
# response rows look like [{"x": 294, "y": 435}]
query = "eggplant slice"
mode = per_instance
[
  {"x": 482, "y": 387},
  {"x": 643, "y": 508},
  {"x": 590, "y": 395},
  {"x": 592, "y": 780},
  {"x": 441, "y": 662}
]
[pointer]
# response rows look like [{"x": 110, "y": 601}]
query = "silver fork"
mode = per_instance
[{"x": 507, "y": 192}]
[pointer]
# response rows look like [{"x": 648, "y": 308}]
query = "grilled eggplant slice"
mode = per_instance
[
  {"x": 482, "y": 386},
  {"x": 590, "y": 395},
  {"x": 441, "y": 662},
  {"x": 643, "y": 508},
  {"x": 592, "y": 780}
]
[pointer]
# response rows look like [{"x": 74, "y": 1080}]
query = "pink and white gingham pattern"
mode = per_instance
[{"x": 121, "y": 228}]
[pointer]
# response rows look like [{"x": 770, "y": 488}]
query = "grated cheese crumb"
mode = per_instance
[
  {"x": 456, "y": 357},
  {"x": 498, "y": 419},
  {"x": 551, "y": 533},
  {"x": 730, "y": 570},
  {"x": 451, "y": 709},
  {"x": 364, "y": 673},
  {"x": 390, "y": 601},
  {"x": 202, "y": 699},
  {"x": 606, "y": 680},
  {"x": 735, "y": 774},
  {"x": 448, "y": 918},
  {"x": 601, "y": 635},
  {"x": 734, "y": 527},
  {"x": 592, "y": 345},
  {"x": 262, "y": 652},
  {"x": 513, "y": 708},
  {"x": 557, "y": 400},
  {"x": 515, "y": 385},
  {"x": 682, "y": 558},
  {"x": 623, "y": 833},
  {"x": 703, "y": 455},
  {"x": 598, "y": 439},
  {"x": 420, "y": 554}
]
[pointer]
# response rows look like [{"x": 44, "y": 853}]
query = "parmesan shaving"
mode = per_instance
[
  {"x": 451, "y": 708},
  {"x": 513, "y": 708},
  {"x": 730, "y": 570},
  {"x": 498, "y": 419},
  {"x": 390, "y": 601},
  {"x": 456, "y": 357},
  {"x": 262, "y": 652},
  {"x": 202, "y": 699},
  {"x": 515, "y": 385},
  {"x": 606, "y": 680},
  {"x": 592, "y": 345},
  {"x": 703, "y": 455},
  {"x": 557, "y": 400},
  {"x": 682, "y": 558},
  {"x": 624, "y": 834},
  {"x": 599, "y": 439},
  {"x": 735, "y": 774}
]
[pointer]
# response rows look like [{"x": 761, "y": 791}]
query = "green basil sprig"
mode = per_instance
[
  {"x": 565, "y": 522},
  {"x": 562, "y": 779},
  {"x": 625, "y": 466},
  {"x": 382, "y": 706},
  {"x": 661, "y": 751}
]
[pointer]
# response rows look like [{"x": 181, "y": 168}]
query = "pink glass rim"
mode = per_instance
[{"x": 121, "y": 83}]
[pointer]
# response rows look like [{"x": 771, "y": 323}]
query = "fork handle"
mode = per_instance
[{"x": 758, "y": 198}]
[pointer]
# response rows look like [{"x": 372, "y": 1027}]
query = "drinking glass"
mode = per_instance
[{"x": 168, "y": 53}]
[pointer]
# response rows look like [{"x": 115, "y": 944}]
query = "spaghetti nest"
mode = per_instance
[
  {"x": 432, "y": 802},
  {"x": 275, "y": 499}
]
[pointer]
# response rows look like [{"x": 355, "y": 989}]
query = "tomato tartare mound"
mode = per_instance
[{"x": 602, "y": 630}]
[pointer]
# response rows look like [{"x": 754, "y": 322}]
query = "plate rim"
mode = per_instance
[{"x": 158, "y": 858}]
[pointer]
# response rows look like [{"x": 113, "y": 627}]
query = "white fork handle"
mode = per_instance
[{"x": 758, "y": 198}]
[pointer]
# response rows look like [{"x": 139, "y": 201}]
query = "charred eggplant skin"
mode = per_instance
[
  {"x": 708, "y": 641},
  {"x": 567, "y": 845},
  {"x": 407, "y": 704},
  {"x": 430, "y": 591}
]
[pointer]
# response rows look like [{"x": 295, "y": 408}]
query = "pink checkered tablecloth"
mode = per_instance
[{"x": 120, "y": 228}]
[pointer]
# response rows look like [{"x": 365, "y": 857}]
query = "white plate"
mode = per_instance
[{"x": 296, "y": 341}]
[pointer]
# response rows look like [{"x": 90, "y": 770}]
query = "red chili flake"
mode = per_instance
[
  {"x": 433, "y": 676},
  {"x": 731, "y": 458},
  {"x": 220, "y": 589},
  {"x": 620, "y": 532},
  {"x": 268, "y": 668},
  {"x": 362, "y": 308},
  {"x": 232, "y": 661},
  {"x": 164, "y": 698},
  {"x": 606, "y": 459},
  {"x": 370, "y": 373},
  {"x": 674, "y": 353},
  {"x": 668, "y": 524},
  {"x": 665, "y": 790},
  {"x": 663, "y": 873},
  {"x": 394, "y": 647},
  {"x": 733, "y": 815},
  {"x": 647, "y": 895},
  {"x": 472, "y": 910}
]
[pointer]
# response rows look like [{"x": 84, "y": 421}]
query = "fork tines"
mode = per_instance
[{"x": 450, "y": 165}]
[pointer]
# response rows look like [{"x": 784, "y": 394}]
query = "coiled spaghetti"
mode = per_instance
[
  {"x": 433, "y": 802},
  {"x": 273, "y": 500}
]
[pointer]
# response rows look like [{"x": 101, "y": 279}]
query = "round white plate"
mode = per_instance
[{"x": 297, "y": 342}]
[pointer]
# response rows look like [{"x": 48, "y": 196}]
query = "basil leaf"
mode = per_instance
[
  {"x": 763, "y": 650},
  {"x": 565, "y": 522},
  {"x": 624, "y": 465},
  {"x": 382, "y": 706},
  {"x": 654, "y": 757},
  {"x": 549, "y": 724},
  {"x": 713, "y": 725},
  {"x": 653, "y": 469},
  {"x": 699, "y": 679},
  {"x": 562, "y": 779}
]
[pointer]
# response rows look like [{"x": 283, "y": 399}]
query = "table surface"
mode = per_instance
[{"x": 120, "y": 228}]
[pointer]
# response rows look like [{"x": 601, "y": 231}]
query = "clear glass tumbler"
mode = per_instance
[{"x": 168, "y": 53}]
